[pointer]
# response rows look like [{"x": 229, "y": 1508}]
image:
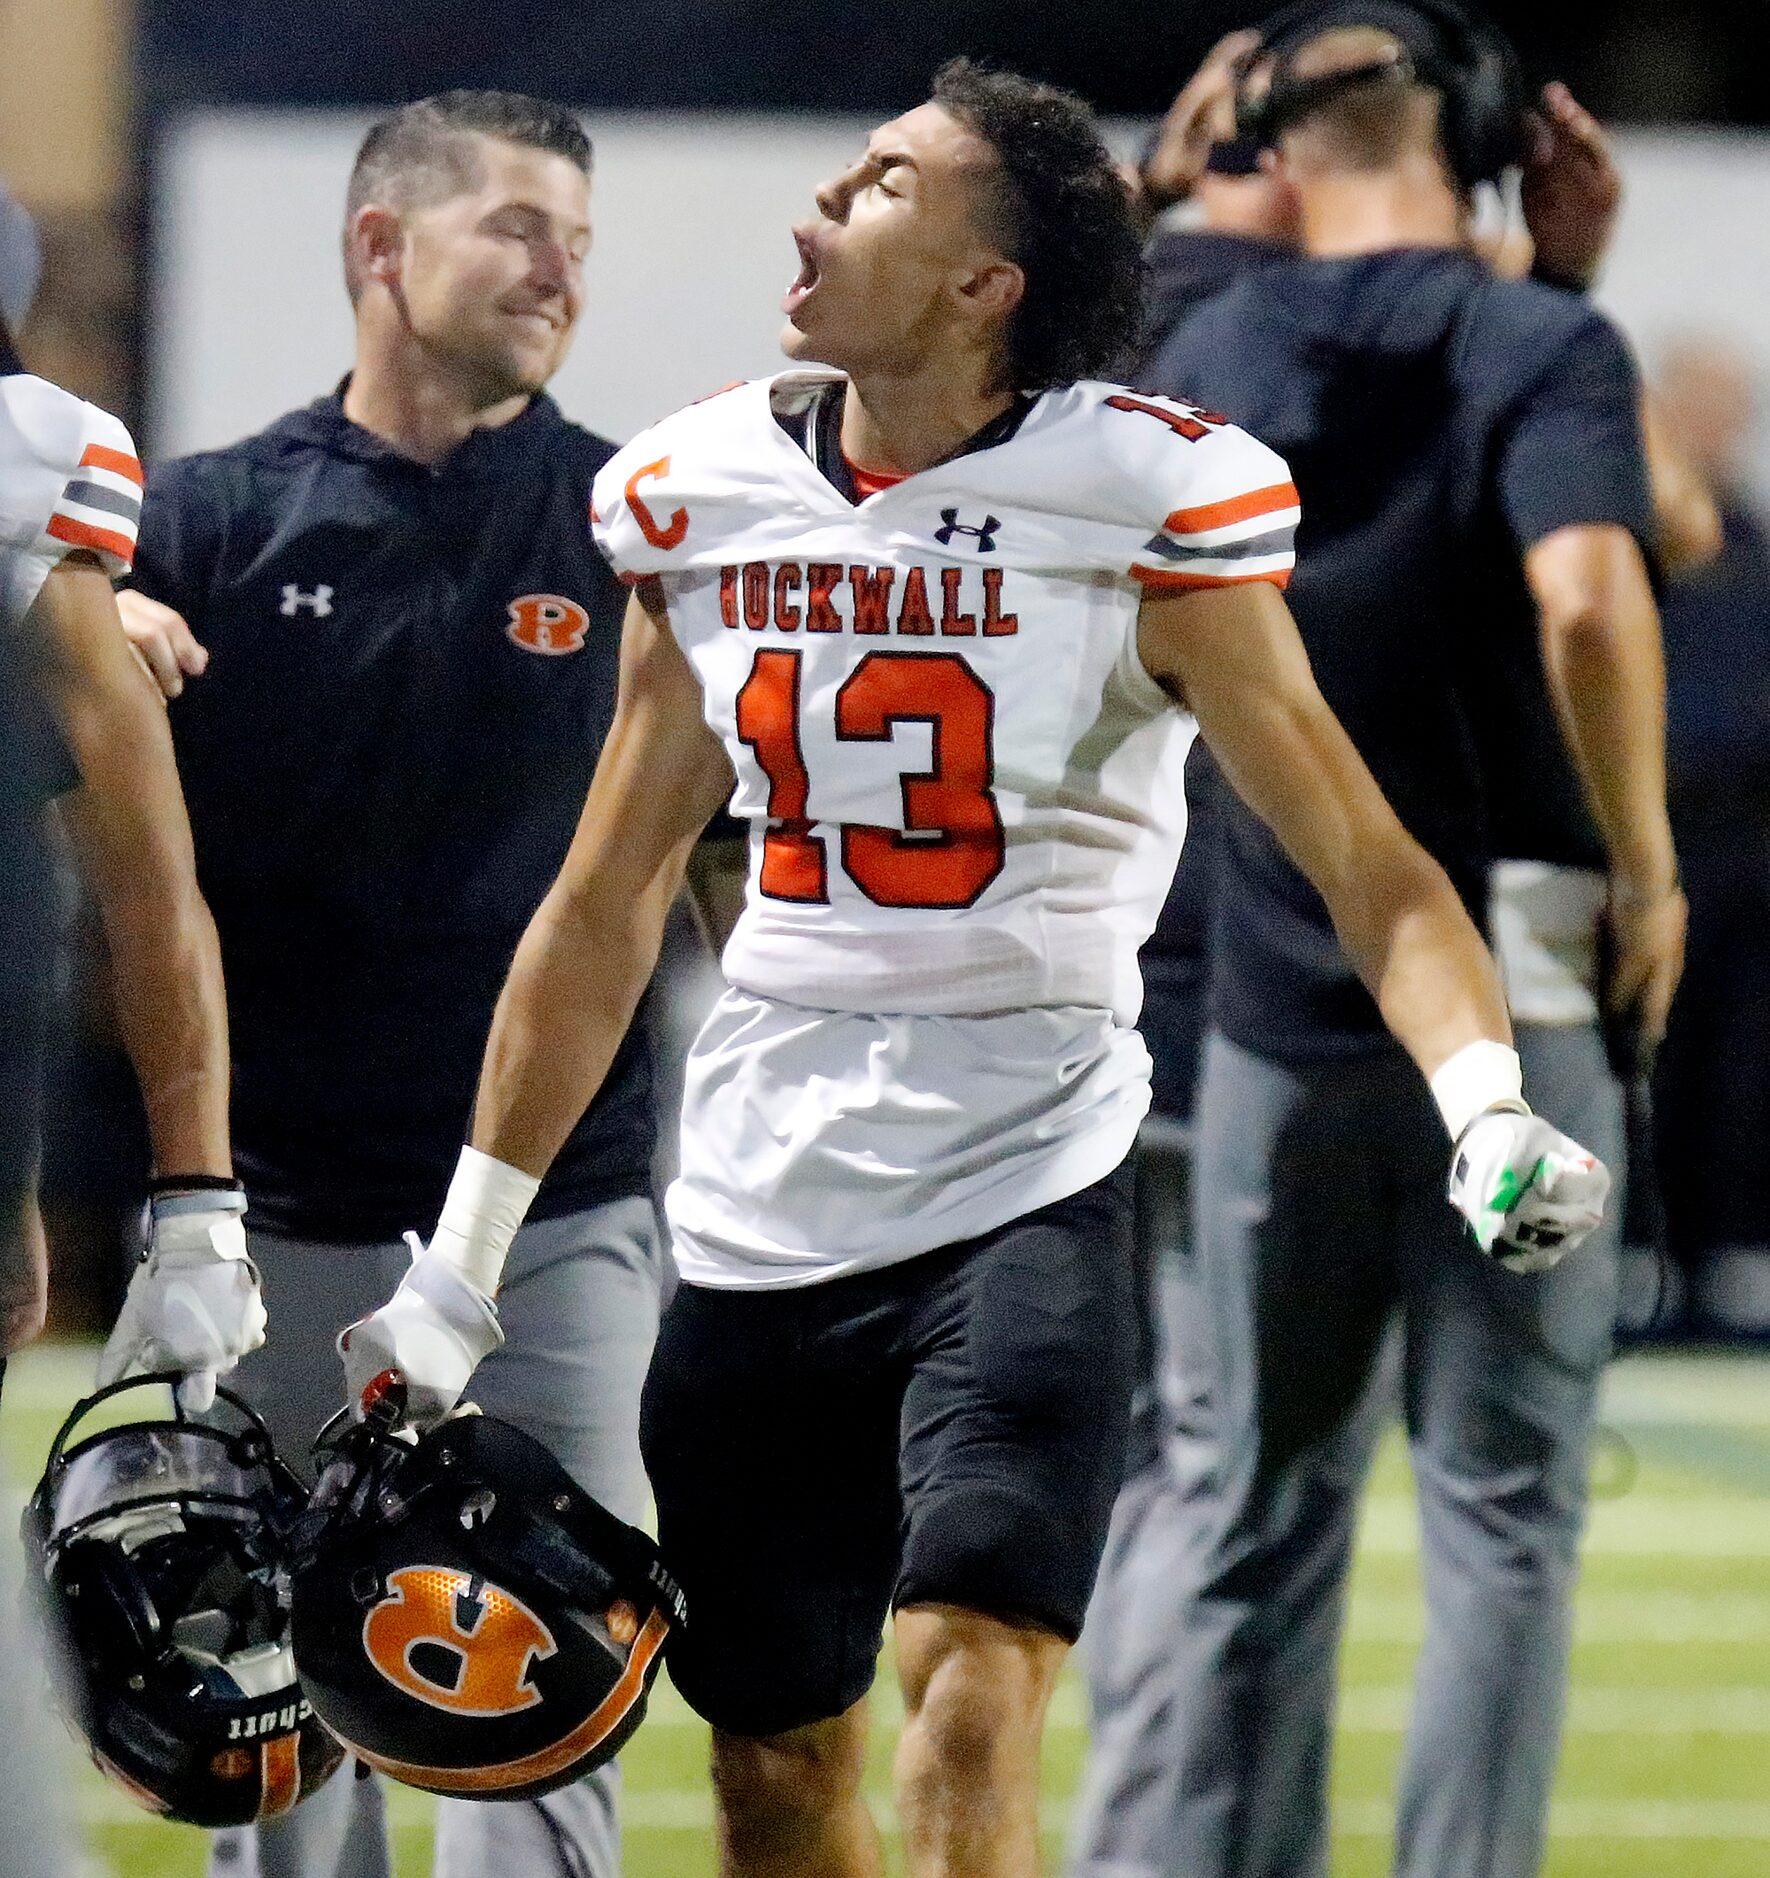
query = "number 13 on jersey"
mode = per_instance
[{"x": 950, "y": 845}]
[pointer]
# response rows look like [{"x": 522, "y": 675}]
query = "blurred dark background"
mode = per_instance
[{"x": 1637, "y": 61}]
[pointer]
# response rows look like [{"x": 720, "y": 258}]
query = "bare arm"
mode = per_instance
[
  {"x": 574, "y": 983},
  {"x": 1234, "y": 655},
  {"x": 589, "y": 951},
  {"x": 133, "y": 841},
  {"x": 1686, "y": 521},
  {"x": 1606, "y": 673}
]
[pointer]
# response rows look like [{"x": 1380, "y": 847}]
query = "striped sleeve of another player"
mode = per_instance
[
  {"x": 1251, "y": 536},
  {"x": 99, "y": 508}
]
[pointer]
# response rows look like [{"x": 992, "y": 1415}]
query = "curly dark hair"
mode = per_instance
[{"x": 1063, "y": 216}]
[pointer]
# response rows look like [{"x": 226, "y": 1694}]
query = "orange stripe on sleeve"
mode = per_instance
[
  {"x": 1267, "y": 501},
  {"x": 118, "y": 462},
  {"x": 1165, "y": 580},
  {"x": 85, "y": 535}
]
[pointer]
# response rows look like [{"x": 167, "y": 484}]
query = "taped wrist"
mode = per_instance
[
  {"x": 487, "y": 1201},
  {"x": 1480, "y": 1076}
]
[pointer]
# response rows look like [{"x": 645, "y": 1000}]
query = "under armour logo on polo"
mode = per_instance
[
  {"x": 951, "y": 525},
  {"x": 318, "y": 603}
]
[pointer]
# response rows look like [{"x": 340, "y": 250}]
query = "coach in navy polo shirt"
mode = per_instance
[
  {"x": 401, "y": 646},
  {"x": 1475, "y": 502}
]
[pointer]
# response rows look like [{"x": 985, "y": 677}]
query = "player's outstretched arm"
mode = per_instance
[
  {"x": 193, "y": 1303},
  {"x": 574, "y": 984},
  {"x": 588, "y": 954},
  {"x": 134, "y": 844},
  {"x": 1234, "y": 655}
]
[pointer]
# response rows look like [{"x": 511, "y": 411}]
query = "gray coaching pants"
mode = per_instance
[
  {"x": 1328, "y": 1275},
  {"x": 579, "y": 1306}
]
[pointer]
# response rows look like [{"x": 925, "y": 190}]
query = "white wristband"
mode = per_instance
[
  {"x": 486, "y": 1202},
  {"x": 1483, "y": 1075}
]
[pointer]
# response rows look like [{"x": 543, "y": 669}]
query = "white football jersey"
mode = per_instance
[
  {"x": 964, "y": 793},
  {"x": 964, "y": 789},
  {"x": 69, "y": 478}
]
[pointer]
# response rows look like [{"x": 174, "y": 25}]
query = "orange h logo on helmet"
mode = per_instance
[{"x": 477, "y": 1642}]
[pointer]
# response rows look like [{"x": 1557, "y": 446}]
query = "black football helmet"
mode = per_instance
[
  {"x": 465, "y": 1617},
  {"x": 154, "y": 1553}
]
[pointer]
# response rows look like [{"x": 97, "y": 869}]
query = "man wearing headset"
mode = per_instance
[{"x": 1471, "y": 466}]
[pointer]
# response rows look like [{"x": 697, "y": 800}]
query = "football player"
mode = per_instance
[
  {"x": 934, "y": 601},
  {"x": 70, "y": 498}
]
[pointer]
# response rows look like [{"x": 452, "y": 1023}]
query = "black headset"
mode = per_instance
[{"x": 1455, "y": 50}]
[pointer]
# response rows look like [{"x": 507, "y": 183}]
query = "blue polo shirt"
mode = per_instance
[
  {"x": 1438, "y": 422},
  {"x": 412, "y": 670}
]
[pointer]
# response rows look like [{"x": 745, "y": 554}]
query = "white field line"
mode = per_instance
[
  {"x": 1637, "y": 1526},
  {"x": 1594, "y": 1711},
  {"x": 1747, "y": 1820},
  {"x": 690, "y": 1809},
  {"x": 1720, "y": 1391},
  {"x": 1649, "y": 1616}
]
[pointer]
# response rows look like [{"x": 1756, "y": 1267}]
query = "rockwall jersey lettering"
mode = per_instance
[{"x": 963, "y": 790}]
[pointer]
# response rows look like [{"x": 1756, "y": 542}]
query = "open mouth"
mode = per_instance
[{"x": 804, "y": 284}]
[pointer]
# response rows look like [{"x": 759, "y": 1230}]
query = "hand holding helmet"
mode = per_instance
[{"x": 193, "y": 1302}]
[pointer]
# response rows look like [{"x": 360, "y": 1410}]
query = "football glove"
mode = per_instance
[
  {"x": 1530, "y": 1194},
  {"x": 432, "y": 1334},
  {"x": 193, "y": 1302}
]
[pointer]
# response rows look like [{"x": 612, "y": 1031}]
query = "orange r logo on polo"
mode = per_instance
[
  {"x": 671, "y": 533},
  {"x": 547, "y": 623},
  {"x": 456, "y": 1642}
]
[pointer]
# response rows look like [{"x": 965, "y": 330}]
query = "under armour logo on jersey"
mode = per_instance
[
  {"x": 547, "y": 623},
  {"x": 951, "y": 525},
  {"x": 318, "y": 603}
]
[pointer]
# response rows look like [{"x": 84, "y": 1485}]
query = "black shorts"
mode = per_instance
[{"x": 949, "y": 1430}]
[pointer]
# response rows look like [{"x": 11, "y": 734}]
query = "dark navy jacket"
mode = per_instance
[
  {"x": 411, "y": 673},
  {"x": 1438, "y": 422}
]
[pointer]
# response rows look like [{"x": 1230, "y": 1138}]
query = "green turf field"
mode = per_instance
[{"x": 1667, "y": 1767}]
